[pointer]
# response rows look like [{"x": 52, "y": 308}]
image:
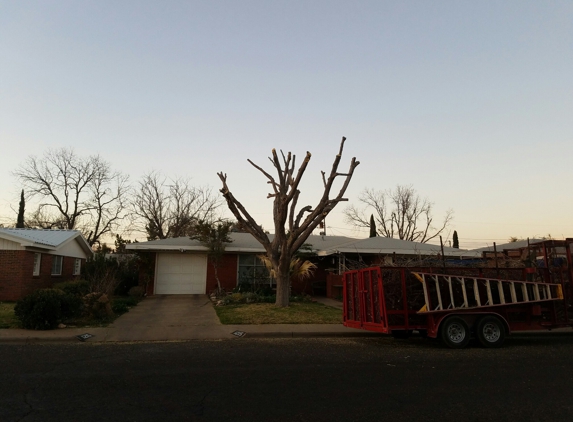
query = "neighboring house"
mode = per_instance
[
  {"x": 180, "y": 265},
  {"x": 31, "y": 259},
  {"x": 527, "y": 250}
]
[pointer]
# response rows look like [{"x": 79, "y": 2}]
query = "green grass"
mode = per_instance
[
  {"x": 268, "y": 313},
  {"x": 7, "y": 317}
]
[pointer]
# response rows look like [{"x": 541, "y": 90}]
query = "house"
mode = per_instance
[
  {"x": 180, "y": 265},
  {"x": 31, "y": 259}
]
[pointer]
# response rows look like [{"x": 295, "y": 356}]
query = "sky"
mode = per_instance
[{"x": 469, "y": 102}]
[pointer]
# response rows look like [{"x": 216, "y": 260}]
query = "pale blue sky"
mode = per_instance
[{"x": 471, "y": 102}]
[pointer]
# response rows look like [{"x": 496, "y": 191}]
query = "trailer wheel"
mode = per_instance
[
  {"x": 455, "y": 332},
  {"x": 490, "y": 331}
]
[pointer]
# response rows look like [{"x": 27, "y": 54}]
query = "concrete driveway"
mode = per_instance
[{"x": 168, "y": 317}]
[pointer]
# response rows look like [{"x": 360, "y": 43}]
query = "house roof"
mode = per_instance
[
  {"x": 510, "y": 245},
  {"x": 322, "y": 245},
  {"x": 44, "y": 239},
  {"x": 388, "y": 245}
]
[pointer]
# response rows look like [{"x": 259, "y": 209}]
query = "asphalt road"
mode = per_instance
[{"x": 530, "y": 379}]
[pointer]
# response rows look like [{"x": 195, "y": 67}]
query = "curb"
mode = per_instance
[
  {"x": 30, "y": 340},
  {"x": 307, "y": 334},
  {"x": 101, "y": 339}
]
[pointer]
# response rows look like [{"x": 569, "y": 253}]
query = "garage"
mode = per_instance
[{"x": 181, "y": 273}]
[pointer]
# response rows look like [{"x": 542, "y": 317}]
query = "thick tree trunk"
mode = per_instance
[
  {"x": 219, "y": 289},
  {"x": 283, "y": 290},
  {"x": 282, "y": 270}
]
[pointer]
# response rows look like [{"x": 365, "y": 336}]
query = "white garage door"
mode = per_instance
[{"x": 181, "y": 274}]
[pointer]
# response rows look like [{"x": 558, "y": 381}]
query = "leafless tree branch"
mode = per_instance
[{"x": 399, "y": 213}]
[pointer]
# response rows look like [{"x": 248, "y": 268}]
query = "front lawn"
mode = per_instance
[
  {"x": 7, "y": 317},
  {"x": 268, "y": 313}
]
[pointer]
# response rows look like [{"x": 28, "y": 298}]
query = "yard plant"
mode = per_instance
[{"x": 7, "y": 317}]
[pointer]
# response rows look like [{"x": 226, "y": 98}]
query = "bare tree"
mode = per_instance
[
  {"x": 399, "y": 213},
  {"x": 81, "y": 193},
  {"x": 109, "y": 194},
  {"x": 288, "y": 239},
  {"x": 170, "y": 208},
  {"x": 38, "y": 219}
]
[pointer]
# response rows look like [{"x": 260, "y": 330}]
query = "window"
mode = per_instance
[
  {"x": 253, "y": 271},
  {"x": 37, "y": 262},
  {"x": 77, "y": 266},
  {"x": 57, "y": 264}
]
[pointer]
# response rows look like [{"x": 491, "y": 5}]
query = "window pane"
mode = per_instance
[
  {"x": 246, "y": 260},
  {"x": 37, "y": 262},
  {"x": 77, "y": 266},
  {"x": 252, "y": 271},
  {"x": 57, "y": 265}
]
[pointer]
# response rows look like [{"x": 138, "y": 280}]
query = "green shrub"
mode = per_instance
[
  {"x": 129, "y": 301},
  {"x": 236, "y": 297},
  {"x": 136, "y": 291},
  {"x": 44, "y": 309},
  {"x": 71, "y": 305},
  {"x": 119, "y": 307},
  {"x": 97, "y": 305},
  {"x": 76, "y": 288},
  {"x": 251, "y": 297}
]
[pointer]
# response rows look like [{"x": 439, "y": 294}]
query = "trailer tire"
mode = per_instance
[
  {"x": 455, "y": 332},
  {"x": 490, "y": 331}
]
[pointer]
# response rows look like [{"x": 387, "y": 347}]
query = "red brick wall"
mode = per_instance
[
  {"x": 11, "y": 274},
  {"x": 227, "y": 271},
  {"x": 16, "y": 273}
]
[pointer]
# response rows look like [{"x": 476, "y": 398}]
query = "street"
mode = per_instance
[{"x": 358, "y": 379}]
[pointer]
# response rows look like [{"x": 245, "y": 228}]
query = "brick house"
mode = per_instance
[
  {"x": 180, "y": 265},
  {"x": 32, "y": 259}
]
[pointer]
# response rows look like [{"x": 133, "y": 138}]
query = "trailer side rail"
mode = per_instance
[{"x": 444, "y": 292}]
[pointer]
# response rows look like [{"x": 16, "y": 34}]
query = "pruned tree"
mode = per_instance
[
  {"x": 215, "y": 237},
  {"x": 171, "y": 207},
  {"x": 21, "y": 208},
  {"x": 81, "y": 193},
  {"x": 292, "y": 226},
  {"x": 399, "y": 213}
]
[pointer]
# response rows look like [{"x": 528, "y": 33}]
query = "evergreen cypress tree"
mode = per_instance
[
  {"x": 456, "y": 241},
  {"x": 20, "y": 221},
  {"x": 372, "y": 226}
]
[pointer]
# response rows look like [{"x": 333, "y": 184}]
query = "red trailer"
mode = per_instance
[{"x": 454, "y": 303}]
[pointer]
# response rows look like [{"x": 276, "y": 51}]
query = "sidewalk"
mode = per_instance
[{"x": 180, "y": 318}]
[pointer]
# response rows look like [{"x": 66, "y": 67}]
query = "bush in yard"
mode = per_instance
[
  {"x": 78, "y": 288},
  {"x": 121, "y": 305},
  {"x": 136, "y": 291},
  {"x": 251, "y": 297},
  {"x": 97, "y": 305},
  {"x": 44, "y": 309}
]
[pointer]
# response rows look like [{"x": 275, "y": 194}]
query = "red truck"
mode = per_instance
[{"x": 454, "y": 303}]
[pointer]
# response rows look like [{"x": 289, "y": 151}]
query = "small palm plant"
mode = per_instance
[{"x": 301, "y": 269}]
